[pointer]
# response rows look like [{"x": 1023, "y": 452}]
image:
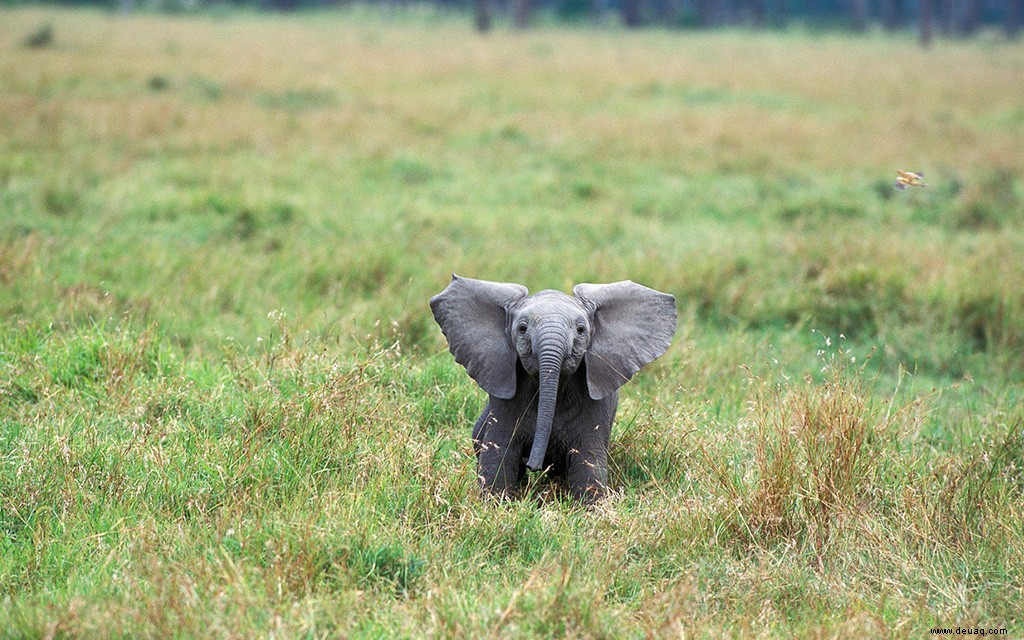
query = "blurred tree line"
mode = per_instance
[{"x": 949, "y": 18}]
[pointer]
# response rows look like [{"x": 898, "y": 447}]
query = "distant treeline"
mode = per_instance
[{"x": 950, "y": 18}]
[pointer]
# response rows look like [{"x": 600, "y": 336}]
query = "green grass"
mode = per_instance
[{"x": 226, "y": 411}]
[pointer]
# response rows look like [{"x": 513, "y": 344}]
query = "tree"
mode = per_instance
[
  {"x": 707, "y": 12},
  {"x": 598, "y": 8},
  {"x": 1014, "y": 14},
  {"x": 894, "y": 14},
  {"x": 972, "y": 16},
  {"x": 946, "y": 12},
  {"x": 669, "y": 11},
  {"x": 759, "y": 12},
  {"x": 521, "y": 10},
  {"x": 926, "y": 23},
  {"x": 632, "y": 13},
  {"x": 858, "y": 14},
  {"x": 483, "y": 15}
]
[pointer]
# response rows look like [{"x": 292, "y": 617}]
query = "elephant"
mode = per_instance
[{"x": 551, "y": 365}]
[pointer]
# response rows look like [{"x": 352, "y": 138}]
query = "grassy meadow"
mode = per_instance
[{"x": 225, "y": 409}]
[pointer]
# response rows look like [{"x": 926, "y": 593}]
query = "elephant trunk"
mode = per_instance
[{"x": 551, "y": 353}]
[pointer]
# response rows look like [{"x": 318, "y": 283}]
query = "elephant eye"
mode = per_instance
[
  {"x": 521, "y": 328},
  {"x": 581, "y": 328}
]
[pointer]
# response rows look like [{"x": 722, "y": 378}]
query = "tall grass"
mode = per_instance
[{"x": 226, "y": 411}]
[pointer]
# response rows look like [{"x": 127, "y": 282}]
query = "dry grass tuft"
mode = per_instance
[{"x": 813, "y": 454}]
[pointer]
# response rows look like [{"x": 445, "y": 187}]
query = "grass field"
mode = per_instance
[{"x": 225, "y": 410}]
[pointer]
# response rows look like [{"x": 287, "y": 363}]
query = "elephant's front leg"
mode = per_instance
[
  {"x": 498, "y": 453},
  {"x": 588, "y": 464},
  {"x": 588, "y": 475}
]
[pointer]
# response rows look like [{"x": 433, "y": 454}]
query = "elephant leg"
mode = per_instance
[
  {"x": 499, "y": 457},
  {"x": 588, "y": 474},
  {"x": 478, "y": 429},
  {"x": 587, "y": 461}
]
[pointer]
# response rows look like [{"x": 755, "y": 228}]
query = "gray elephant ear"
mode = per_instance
[
  {"x": 473, "y": 315},
  {"x": 633, "y": 325}
]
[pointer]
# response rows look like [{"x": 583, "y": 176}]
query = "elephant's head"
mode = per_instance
[{"x": 615, "y": 329}]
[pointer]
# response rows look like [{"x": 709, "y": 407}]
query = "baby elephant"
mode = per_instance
[{"x": 552, "y": 365}]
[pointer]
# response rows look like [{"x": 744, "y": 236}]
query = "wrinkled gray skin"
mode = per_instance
[{"x": 551, "y": 364}]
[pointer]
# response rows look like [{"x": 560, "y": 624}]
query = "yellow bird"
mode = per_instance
[{"x": 906, "y": 179}]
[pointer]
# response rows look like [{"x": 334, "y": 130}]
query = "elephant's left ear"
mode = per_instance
[{"x": 633, "y": 325}]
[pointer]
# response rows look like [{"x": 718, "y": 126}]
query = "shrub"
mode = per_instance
[{"x": 811, "y": 459}]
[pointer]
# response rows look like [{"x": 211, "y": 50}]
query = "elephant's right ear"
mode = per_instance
[{"x": 473, "y": 315}]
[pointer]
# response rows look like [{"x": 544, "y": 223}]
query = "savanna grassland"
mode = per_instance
[{"x": 225, "y": 410}]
